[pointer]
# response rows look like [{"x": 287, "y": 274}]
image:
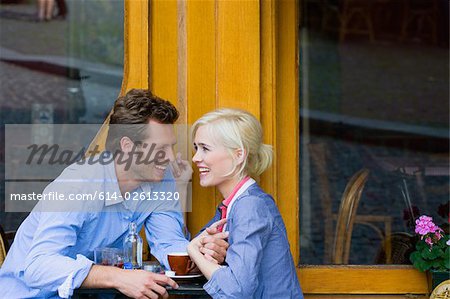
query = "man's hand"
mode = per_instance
[
  {"x": 143, "y": 284},
  {"x": 132, "y": 283},
  {"x": 212, "y": 243},
  {"x": 182, "y": 169}
]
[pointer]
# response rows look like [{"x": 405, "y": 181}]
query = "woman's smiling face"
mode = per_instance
[{"x": 214, "y": 161}]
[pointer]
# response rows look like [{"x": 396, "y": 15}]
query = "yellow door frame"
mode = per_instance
[{"x": 207, "y": 54}]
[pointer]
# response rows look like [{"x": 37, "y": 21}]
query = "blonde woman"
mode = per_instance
[{"x": 258, "y": 264}]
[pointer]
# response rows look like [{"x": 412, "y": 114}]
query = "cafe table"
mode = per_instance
[{"x": 186, "y": 289}]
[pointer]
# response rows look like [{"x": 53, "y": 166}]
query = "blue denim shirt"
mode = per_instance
[
  {"x": 259, "y": 262},
  {"x": 53, "y": 250}
]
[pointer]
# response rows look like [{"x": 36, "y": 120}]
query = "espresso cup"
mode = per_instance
[{"x": 180, "y": 262}]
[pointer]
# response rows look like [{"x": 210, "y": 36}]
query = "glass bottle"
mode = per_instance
[{"x": 132, "y": 248}]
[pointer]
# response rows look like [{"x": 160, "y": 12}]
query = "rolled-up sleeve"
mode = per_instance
[
  {"x": 49, "y": 264},
  {"x": 164, "y": 227},
  {"x": 250, "y": 225},
  {"x": 164, "y": 232}
]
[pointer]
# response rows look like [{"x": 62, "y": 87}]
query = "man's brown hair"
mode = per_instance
[{"x": 131, "y": 114}]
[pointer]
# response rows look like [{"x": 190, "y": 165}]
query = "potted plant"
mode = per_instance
[{"x": 432, "y": 252}]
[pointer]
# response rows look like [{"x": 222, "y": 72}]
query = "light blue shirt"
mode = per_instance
[
  {"x": 53, "y": 249},
  {"x": 259, "y": 262}
]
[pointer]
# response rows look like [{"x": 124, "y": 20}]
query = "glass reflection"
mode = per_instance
[
  {"x": 60, "y": 62},
  {"x": 374, "y": 95}
]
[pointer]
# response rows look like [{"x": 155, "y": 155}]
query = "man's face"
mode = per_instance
[{"x": 153, "y": 156}]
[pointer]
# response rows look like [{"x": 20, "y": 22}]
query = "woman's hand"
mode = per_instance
[
  {"x": 212, "y": 243},
  {"x": 195, "y": 244}
]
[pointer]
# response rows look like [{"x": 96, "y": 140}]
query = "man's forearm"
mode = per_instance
[{"x": 102, "y": 277}]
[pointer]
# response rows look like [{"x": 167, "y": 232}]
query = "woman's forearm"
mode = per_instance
[{"x": 206, "y": 267}]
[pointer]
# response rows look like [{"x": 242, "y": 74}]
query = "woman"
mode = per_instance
[
  {"x": 258, "y": 264},
  {"x": 45, "y": 10}
]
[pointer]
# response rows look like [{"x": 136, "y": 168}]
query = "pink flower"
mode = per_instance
[
  {"x": 448, "y": 242},
  {"x": 429, "y": 241},
  {"x": 425, "y": 225},
  {"x": 438, "y": 234}
]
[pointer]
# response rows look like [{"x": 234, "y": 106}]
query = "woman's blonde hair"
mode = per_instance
[{"x": 238, "y": 129}]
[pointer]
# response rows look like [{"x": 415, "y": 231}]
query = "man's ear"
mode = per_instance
[
  {"x": 126, "y": 144},
  {"x": 240, "y": 155}
]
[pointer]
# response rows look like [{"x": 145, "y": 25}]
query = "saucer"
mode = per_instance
[{"x": 185, "y": 276}]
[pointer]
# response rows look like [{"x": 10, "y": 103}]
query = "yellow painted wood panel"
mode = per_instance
[
  {"x": 201, "y": 93},
  {"x": 287, "y": 120},
  {"x": 164, "y": 49},
  {"x": 136, "y": 45},
  {"x": 183, "y": 143},
  {"x": 238, "y": 55},
  {"x": 268, "y": 90},
  {"x": 362, "y": 280},
  {"x": 182, "y": 66}
]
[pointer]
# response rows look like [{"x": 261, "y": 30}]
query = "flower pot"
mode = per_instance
[{"x": 435, "y": 277}]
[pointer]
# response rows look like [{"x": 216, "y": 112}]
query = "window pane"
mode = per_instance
[
  {"x": 374, "y": 95},
  {"x": 67, "y": 69}
]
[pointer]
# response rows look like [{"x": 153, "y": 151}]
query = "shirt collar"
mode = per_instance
[
  {"x": 239, "y": 192},
  {"x": 236, "y": 196}
]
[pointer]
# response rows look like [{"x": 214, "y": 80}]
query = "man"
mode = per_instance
[{"x": 53, "y": 249}]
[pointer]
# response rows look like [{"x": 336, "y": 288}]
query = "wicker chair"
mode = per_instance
[
  {"x": 4, "y": 243},
  {"x": 354, "y": 17},
  {"x": 347, "y": 215},
  {"x": 442, "y": 291},
  {"x": 320, "y": 157},
  {"x": 423, "y": 15},
  {"x": 401, "y": 245}
]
